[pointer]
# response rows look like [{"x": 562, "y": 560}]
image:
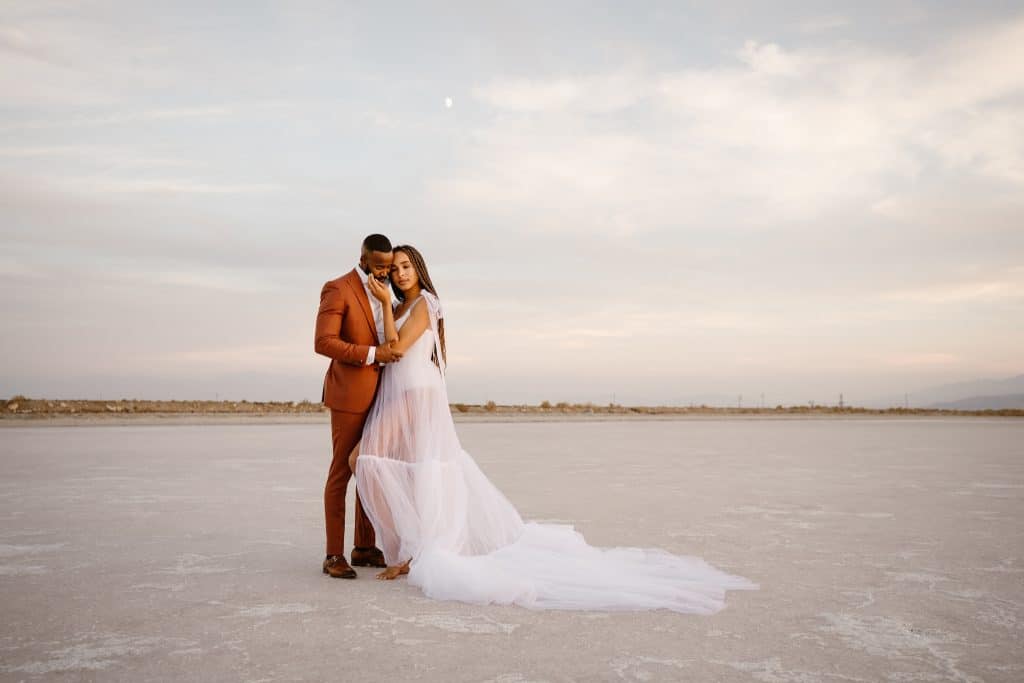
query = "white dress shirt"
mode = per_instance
[{"x": 378, "y": 312}]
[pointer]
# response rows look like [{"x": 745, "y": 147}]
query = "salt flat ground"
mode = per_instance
[{"x": 886, "y": 549}]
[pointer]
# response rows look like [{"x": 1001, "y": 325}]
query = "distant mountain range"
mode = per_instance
[
  {"x": 981, "y": 394},
  {"x": 983, "y": 403}
]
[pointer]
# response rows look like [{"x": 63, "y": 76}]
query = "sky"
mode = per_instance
[{"x": 662, "y": 203}]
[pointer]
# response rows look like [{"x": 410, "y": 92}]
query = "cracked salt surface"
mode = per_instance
[
  {"x": 771, "y": 670},
  {"x": 867, "y": 571},
  {"x": 893, "y": 638},
  {"x": 195, "y": 564},
  {"x": 23, "y": 569},
  {"x": 645, "y": 668},
  {"x": 479, "y": 625},
  {"x": 515, "y": 678},
  {"x": 93, "y": 654},
  {"x": 9, "y": 550},
  {"x": 271, "y": 610}
]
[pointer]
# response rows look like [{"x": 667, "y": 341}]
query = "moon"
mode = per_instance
[{"x": 448, "y": 103}]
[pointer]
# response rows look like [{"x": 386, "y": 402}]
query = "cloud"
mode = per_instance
[
  {"x": 53, "y": 59},
  {"x": 213, "y": 112},
  {"x": 921, "y": 359},
  {"x": 224, "y": 280},
  {"x": 1010, "y": 287},
  {"x": 770, "y": 59},
  {"x": 779, "y": 134},
  {"x": 607, "y": 202},
  {"x": 257, "y": 357},
  {"x": 17, "y": 41},
  {"x": 168, "y": 186},
  {"x": 823, "y": 24},
  {"x": 600, "y": 93},
  {"x": 103, "y": 156}
]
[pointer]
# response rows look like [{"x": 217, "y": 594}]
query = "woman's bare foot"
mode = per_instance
[{"x": 394, "y": 572}]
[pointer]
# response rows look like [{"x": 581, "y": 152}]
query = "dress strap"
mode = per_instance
[{"x": 436, "y": 315}]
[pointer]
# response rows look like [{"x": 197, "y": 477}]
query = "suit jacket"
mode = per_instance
[{"x": 345, "y": 331}]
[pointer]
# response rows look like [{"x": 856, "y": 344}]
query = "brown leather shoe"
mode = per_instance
[
  {"x": 337, "y": 567},
  {"x": 368, "y": 557}
]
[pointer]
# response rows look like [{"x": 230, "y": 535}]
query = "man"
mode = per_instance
[{"x": 350, "y": 331}]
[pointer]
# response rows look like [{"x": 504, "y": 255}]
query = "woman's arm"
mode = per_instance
[
  {"x": 390, "y": 333},
  {"x": 383, "y": 295},
  {"x": 417, "y": 323}
]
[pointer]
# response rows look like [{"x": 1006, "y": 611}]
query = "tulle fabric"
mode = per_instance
[{"x": 430, "y": 503}]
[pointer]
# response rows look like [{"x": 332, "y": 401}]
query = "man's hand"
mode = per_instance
[{"x": 385, "y": 353}]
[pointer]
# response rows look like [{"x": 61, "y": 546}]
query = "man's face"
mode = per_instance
[{"x": 377, "y": 264}]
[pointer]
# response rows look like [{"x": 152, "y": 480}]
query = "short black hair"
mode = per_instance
[{"x": 377, "y": 243}]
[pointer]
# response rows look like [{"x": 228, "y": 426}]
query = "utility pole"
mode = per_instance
[
  {"x": 739, "y": 401},
  {"x": 762, "y": 399},
  {"x": 840, "y": 400}
]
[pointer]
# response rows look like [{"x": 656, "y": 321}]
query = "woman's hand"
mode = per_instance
[{"x": 379, "y": 290}]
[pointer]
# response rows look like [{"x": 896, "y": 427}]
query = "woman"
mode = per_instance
[{"x": 440, "y": 520}]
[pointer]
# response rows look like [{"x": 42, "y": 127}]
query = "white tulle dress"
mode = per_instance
[{"x": 429, "y": 502}]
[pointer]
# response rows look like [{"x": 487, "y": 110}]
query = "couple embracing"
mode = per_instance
[{"x": 423, "y": 507}]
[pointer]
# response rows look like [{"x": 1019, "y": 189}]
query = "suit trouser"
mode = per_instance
[{"x": 346, "y": 430}]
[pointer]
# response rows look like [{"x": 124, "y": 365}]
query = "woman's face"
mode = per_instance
[{"x": 403, "y": 274}]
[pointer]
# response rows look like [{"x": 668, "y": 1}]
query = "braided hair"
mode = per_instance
[{"x": 416, "y": 258}]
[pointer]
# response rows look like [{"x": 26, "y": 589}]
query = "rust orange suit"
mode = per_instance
[{"x": 345, "y": 331}]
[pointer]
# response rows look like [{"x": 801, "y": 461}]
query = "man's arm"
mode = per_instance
[{"x": 327, "y": 340}]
